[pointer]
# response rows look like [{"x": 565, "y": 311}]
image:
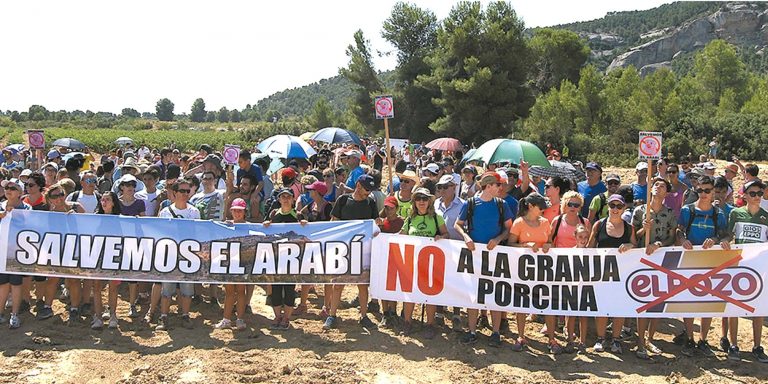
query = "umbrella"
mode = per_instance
[
  {"x": 445, "y": 144},
  {"x": 69, "y": 143},
  {"x": 285, "y": 146},
  {"x": 306, "y": 136},
  {"x": 513, "y": 151},
  {"x": 71, "y": 155},
  {"x": 559, "y": 168},
  {"x": 123, "y": 140},
  {"x": 336, "y": 135},
  {"x": 14, "y": 148}
]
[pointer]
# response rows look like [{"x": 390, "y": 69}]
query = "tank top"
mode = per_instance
[{"x": 604, "y": 240}]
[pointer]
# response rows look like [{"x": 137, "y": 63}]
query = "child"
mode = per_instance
[
  {"x": 582, "y": 239},
  {"x": 234, "y": 293}
]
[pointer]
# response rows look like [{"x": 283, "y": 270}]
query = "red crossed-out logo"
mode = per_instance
[{"x": 694, "y": 281}]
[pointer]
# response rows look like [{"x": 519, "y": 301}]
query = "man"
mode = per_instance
[
  {"x": 355, "y": 206},
  {"x": 211, "y": 163},
  {"x": 484, "y": 219},
  {"x": 598, "y": 209},
  {"x": 166, "y": 157},
  {"x": 245, "y": 191},
  {"x": 209, "y": 201},
  {"x": 592, "y": 186},
  {"x": 661, "y": 224},
  {"x": 730, "y": 172},
  {"x": 178, "y": 210},
  {"x": 448, "y": 205},
  {"x": 448, "y": 169},
  {"x": 355, "y": 170},
  {"x": 246, "y": 167},
  {"x": 432, "y": 171},
  {"x": 640, "y": 186},
  {"x": 746, "y": 225},
  {"x": 749, "y": 172},
  {"x": 709, "y": 168},
  {"x": 150, "y": 194},
  {"x": 105, "y": 183},
  {"x": 87, "y": 195},
  {"x": 408, "y": 180},
  {"x": 700, "y": 223},
  {"x": 467, "y": 186},
  {"x": 505, "y": 192},
  {"x": 721, "y": 195},
  {"x": 514, "y": 176}
]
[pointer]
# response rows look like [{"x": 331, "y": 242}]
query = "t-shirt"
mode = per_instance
[
  {"x": 392, "y": 226},
  {"x": 702, "y": 226},
  {"x": 254, "y": 170},
  {"x": 353, "y": 176},
  {"x": 403, "y": 207},
  {"x": 513, "y": 205},
  {"x": 423, "y": 225},
  {"x": 347, "y": 208},
  {"x": 150, "y": 201},
  {"x": 589, "y": 192},
  {"x": 566, "y": 233},
  {"x": 596, "y": 203},
  {"x": 134, "y": 209},
  {"x": 211, "y": 205},
  {"x": 639, "y": 192},
  {"x": 663, "y": 222},
  {"x": 528, "y": 234},
  {"x": 37, "y": 205},
  {"x": 552, "y": 212},
  {"x": 278, "y": 216},
  {"x": 171, "y": 212},
  {"x": 748, "y": 228},
  {"x": 89, "y": 202},
  {"x": 485, "y": 218}
]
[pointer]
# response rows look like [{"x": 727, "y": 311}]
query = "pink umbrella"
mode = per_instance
[{"x": 445, "y": 144}]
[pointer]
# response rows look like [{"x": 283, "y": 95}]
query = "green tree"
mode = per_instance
[
  {"x": 210, "y": 116},
  {"x": 362, "y": 75},
  {"x": 759, "y": 100},
  {"x": 164, "y": 110},
  {"x": 322, "y": 114},
  {"x": 130, "y": 113},
  {"x": 559, "y": 54},
  {"x": 223, "y": 115},
  {"x": 198, "y": 113},
  {"x": 235, "y": 116},
  {"x": 718, "y": 68},
  {"x": 38, "y": 113},
  {"x": 480, "y": 67}
]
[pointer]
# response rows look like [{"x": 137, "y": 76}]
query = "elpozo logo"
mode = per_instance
[{"x": 704, "y": 281}]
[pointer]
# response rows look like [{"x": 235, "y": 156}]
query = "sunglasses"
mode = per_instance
[
  {"x": 90, "y": 181},
  {"x": 574, "y": 205},
  {"x": 31, "y": 185},
  {"x": 612, "y": 182},
  {"x": 186, "y": 191},
  {"x": 17, "y": 189},
  {"x": 56, "y": 195},
  {"x": 548, "y": 186},
  {"x": 704, "y": 190},
  {"x": 755, "y": 193},
  {"x": 421, "y": 198},
  {"x": 672, "y": 171},
  {"x": 616, "y": 206},
  {"x": 406, "y": 181}
]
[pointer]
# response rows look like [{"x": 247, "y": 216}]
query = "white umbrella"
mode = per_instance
[
  {"x": 123, "y": 140},
  {"x": 286, "y": 147}
]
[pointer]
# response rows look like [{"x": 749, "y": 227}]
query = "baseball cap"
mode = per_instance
[
  {"x": 52, "y": 165},
  {"x": 537, "y": 200},
  {"x": 594, "y": 165},
  {"x": 213, "y": 159},
  {"x": 367, "y": 182},
  {"x": 354, "y": 153},
  {"x": 616, "y": 197},
  {"x": 432, "y": 167},
  {"x": 422, "y": 191},
  {"x": 503, "y": 175},
  {"x": 26, "y": 172},
  {"x": 12, "y": 182},
  {"x": 238, "y": 204},
  {"x": 289, "y": 173},
  {"x": 709, "y": 165},
  {"x": 52, "y": 154},
  {"x": 469, "y": 167},
  {"x": 283, "y": 191},
  {"x": 489, "y": 178},
  {"x": 445, "y": 179},
  {"x": 613, "y": 177},
  {"x": 641, "y": 166},
  {"x": 391, "y": 201},
  {"x": 318, "y": 186},
  {"x": 753, "y": 183}
]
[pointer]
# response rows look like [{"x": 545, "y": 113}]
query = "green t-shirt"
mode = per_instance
[
  {"x": 595, "y": 206},
  {"x": 747, "y": 228},
  {"x": 403, "y": 207},
  {"x": 423, "y": 225}
]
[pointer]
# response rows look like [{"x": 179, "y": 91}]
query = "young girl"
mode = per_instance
[
  {"x": 234, "y": 292},
  {"x": 389, "y": 222},
  {"x": 582, "y": 240}
]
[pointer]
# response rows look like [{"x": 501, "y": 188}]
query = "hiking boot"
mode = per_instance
[
  {"x": 162, "y": 323},
  {"x": 186, "y": 322},
  {"x": 725, "y": 345},
  {"x": 113, "y": 322},
  {"x": 681, "y": 338},
  {"x": 616, "y": 347},
  {"x": 44, "y": 313},
  {"x": 366, "y": 323},
  {"x": 469, "y": 338},
  {"x": 15, "y": 322},
  {"x": 599, "y": 345},
  {"x": 504, "y": 325},
  {"x": 430, "y": 332},
  {"x": 734, "y": 354},
  {"x": 705, "y": 349},
  {"x": 642, "y": 353},
  {"x": 240, "y": 324},
  {"x": 74, "y": 317},
  {"x": 330, "y": 323},
  {"x": 482, "y": 322},
  {"x": 407, "y": 328},
  {"x": 39, "y": 305},
  {"x": 555, "y": 348},
  {"x": 24, "y": 306},
  {"x": 373, "y": 306},
  {"x": 97, "y": 323},
  {"x": 757, "y": 352},
  {"x": 495, "y": 340},
  {"x": 85, "y": 309},
  {"x": 3, "y": 319},
  {"x": 133, "y": 312},
  {"x": 689, "y": 348},
  {"x": 439, "y": 320},
  {"x": 626, "y": 334}
]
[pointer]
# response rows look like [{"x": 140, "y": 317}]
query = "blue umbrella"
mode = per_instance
[
  {"x": 14, "y": 148},
  {"x": 286, "y": 146},
  {"x": 336, "y": 135},
  {"x": 70, "y": 143}
]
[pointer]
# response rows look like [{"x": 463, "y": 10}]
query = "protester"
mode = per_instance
[
  {"x": 11, "y": 283},
  {"x": 591, "y": 187},
  {"x": 235, "y": 293}
]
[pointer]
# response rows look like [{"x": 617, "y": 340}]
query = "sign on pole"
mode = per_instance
[
  {"x": 385, "y": 108},
  {"x": 649, "y": 147},
  {"x": 231, "y": 153},
  {"x": 36, "y": 139}
]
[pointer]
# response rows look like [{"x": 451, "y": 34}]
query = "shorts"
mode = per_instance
[
  {"x": 39, "y": 278},
  {"x": 14, "y": 280},
  {"x": 283, "y": 294},
  {"x": 187, "y": 289}
]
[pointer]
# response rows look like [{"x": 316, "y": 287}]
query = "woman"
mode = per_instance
[
  {"x": 55, "y": 196},
  {"x": 129, "y": 205},
  {"x": 531, "y": 230},
  {"x": 676, "y": 195},
  {"x": 554, "y": 189},
  {"x": 612, "y": 232},
  {"x": 234, "y": 293},
  {"x": 424, "y": 222},
  {"x": 109, "y": 205},
  {"x": 329, "y": 177},
  {"x": 468, "y": 188},
  {"x": 318, "y": 209},
  {"x": 11, "y": 283}
]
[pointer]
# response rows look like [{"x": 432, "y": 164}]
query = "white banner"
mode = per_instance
[{"x": 672, "y": 282}]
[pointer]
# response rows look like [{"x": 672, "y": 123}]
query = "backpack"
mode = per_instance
[
  {"x": 471, "y": 211},
  {"x": 601, "y": 207},
  {"x": 692, "y": 208},
  {"x": 76, "y": 195},
  {"x": 273, "y": 202},
  {"x": 559, "y": 220},
  {"x": 342, "y": 201}
]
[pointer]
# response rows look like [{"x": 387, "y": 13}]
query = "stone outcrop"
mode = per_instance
[{"x": 736, "y": 23}]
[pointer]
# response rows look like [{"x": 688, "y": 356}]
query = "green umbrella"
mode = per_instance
[{"x": 510, "y": 150}]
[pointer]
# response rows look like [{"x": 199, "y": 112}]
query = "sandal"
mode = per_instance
[
  {"x": 642, "y": 354},
  {"x": 555, "y": 348},
  {"x": 276, "y": 323},
  {"x": 285, "y": 325},
  {"x": 519, "y": 345}
]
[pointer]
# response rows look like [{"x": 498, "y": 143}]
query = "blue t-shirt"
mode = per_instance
[
  {"x": 395, "y": 183},
  {"x": 513, "y": 205},
  {"x": 589, "y": 192},
  {"x": 639, "y": 192},
  {"x": 331, "y": 198},
  {"x": 353, "y": 176},
  {"x": 703, "y": 226},
  {"x": 485, "y": 219}
]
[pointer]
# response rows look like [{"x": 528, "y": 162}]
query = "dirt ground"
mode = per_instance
[{"x": 50, "y": 352}]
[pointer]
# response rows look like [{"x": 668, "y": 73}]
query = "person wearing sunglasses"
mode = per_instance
[
  {"x": 554, "y": 189},
  {"x": 612, "y": 232},
  {"x": 700, "y": 223},
  {"x": 676, "y": 194},
  {"x": 210, "y": 201},
  {"x": 87, "y": 195},
  {"x": 129, "y": 204},
  {"x": 11, "y": 284},
  {"x": 178, "y": 210},
  {"x": 746, "y": 225},
  {"x": 598, "y": 208}
]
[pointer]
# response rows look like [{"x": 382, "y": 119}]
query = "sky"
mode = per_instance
[{"x": 110, "y": 55}]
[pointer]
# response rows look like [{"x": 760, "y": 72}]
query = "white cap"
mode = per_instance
[
  {"x": 641, "y": 166},
  {"x": 432, "y": 167},
  {"x": 503, "y": 174}
]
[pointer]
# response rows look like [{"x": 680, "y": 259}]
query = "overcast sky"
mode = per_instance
[{"x": 108, "y": 55}]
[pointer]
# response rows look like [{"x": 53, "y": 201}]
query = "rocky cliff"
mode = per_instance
[{"x": 740, "y": 24}]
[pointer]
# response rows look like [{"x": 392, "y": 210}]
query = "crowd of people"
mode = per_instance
[{"x": 433, "y": 194}]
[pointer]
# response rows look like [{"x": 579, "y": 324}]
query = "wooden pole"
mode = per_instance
[
  {"x": 648, "y": 205},
  {"x": 389, "y": 154}
]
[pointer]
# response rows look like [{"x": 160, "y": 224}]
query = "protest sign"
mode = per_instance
[
  {"x": 672, "y": 282},
  {"x": 179, "y": 250},
  {"x": 231, "y": 153},
  {"x": 36, "y": 139}
]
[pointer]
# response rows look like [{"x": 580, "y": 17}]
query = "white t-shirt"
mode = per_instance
[
  {"x": 89, "y": 202},
  {"x": 190, "y": 212},
  {"x": 150, "y": 201}
]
